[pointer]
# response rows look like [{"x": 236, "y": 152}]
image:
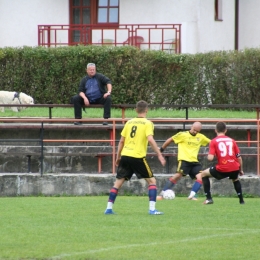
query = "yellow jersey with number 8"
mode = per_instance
[{"x": 135, "y": 133}]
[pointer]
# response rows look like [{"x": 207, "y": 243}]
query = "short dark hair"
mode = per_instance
[
  {"x": 141, "y": 106},
  {"x": 221, "y": 127}
]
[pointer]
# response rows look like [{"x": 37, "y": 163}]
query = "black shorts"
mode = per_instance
[
  {"x": 222, "y": 175},
  {"x": 130, "y": 165},
  {"x": 189, "y": 168}
]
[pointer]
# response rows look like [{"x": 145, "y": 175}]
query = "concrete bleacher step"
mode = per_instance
[{"x": 81, "y": 157}]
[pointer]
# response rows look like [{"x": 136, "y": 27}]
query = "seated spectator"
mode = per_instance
[{"x": 94, "y": 88}]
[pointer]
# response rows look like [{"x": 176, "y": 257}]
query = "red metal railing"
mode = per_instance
[{"x": 166, "y": 37}]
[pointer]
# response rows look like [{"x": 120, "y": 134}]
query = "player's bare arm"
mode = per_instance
[
  {"x": 165, "y": 144},
  {"x": 119, "y": 149},
  {"x": 154, "y": 146},
  {"x": 241, "y": 166}
]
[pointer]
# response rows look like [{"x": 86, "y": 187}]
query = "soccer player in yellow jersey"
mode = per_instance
[
  {"x": 131, "y": 153},
  {"x": 189, "y": 143}
]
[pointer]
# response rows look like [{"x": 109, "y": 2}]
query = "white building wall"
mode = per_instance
[
  {"x": 200, "y": 32},
  {"x": 249, "y": 30},
  {"x": 216, "y": 35},
  {"x": 19, "y": 19}
]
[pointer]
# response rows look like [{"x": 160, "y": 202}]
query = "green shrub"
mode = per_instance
[{"x": 52, "y": 75}]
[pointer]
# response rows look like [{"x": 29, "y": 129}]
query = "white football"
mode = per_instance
[{"x": 169, "y": 195}]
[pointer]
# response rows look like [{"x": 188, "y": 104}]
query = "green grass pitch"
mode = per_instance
[{"x": 76, "y": 228}]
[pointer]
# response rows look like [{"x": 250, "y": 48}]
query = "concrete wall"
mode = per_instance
[
  {"x": 100, "y": 184},
  {"x": 81, "y": 157},
  {"x": 77, "y": 175},
  {"x": 74, "y": 159}
]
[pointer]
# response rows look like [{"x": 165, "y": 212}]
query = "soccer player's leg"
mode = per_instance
[
  {"x": 111, "y": 200},
  {"x": 205, "y": 175},
  {"x": 112, "y": 195},
  {"x": 172, "y": 180},
  {"x": 238, "y": 189},
  {"x": 143, "y": 171},
  {"x": 123, "y": 173},
  {"x": 206, "y": 186},
  {"x": 152, "y": 192},
  {"x": 195, "y": 188},
  {"x": 195, "y": 175}
]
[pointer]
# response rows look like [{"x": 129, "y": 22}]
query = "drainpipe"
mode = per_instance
[{"x": 236, "y": 24}]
